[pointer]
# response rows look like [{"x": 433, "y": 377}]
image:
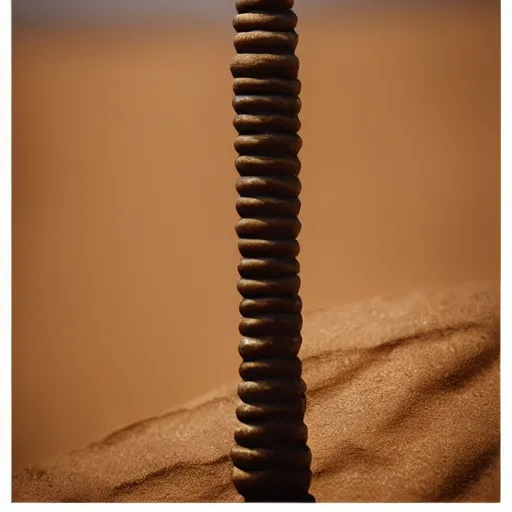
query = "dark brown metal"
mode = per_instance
[{"x": 271, "y": 458}]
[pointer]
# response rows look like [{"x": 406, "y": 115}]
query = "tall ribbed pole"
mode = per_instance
[{"x": 271, "y": 458}]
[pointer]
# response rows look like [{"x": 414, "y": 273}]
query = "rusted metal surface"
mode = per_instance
[{"x": 271, "y": 458}]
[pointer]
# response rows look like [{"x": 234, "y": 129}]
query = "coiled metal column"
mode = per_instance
[{"x": 271, "y": 458}]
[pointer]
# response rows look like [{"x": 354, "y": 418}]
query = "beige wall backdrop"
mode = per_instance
[{"x": 124, "y": 250}]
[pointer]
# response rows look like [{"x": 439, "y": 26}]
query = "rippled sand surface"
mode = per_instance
[{"x": 404, "y": 406}]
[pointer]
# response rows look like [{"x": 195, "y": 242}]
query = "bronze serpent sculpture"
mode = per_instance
[{"x": 271, "y": 457}]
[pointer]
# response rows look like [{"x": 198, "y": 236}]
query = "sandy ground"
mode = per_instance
[
  {"x": 124, "y": 250},
  {"x": 403, "y": 406}
]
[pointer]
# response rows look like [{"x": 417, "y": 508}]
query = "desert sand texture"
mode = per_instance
[{"x": 403, "y": 406}]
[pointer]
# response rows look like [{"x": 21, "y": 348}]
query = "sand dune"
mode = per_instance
[{"x": 403, "y": 407}]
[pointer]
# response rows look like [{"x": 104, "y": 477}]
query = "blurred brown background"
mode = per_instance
[{"x": 124, "y": 250}]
